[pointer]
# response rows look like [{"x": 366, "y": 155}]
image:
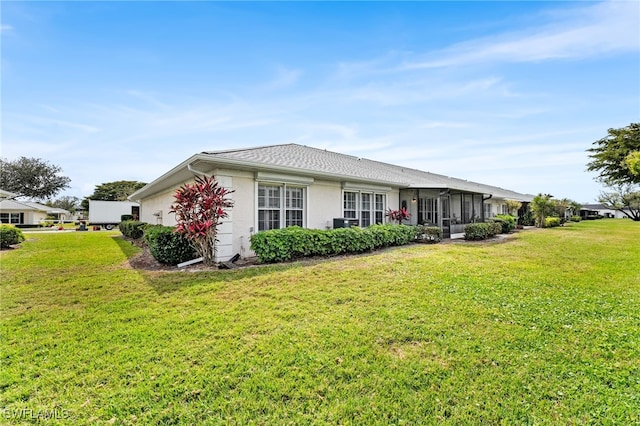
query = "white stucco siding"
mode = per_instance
[
  {"x": 235, "y": 230},
  {"x": 324, "y": 202},
  {"x": 244, "y": 214},
  {"x": 496, "y": 205},
  {"x": 36, "y": 217},
  {"x": 155, "y": 210}
]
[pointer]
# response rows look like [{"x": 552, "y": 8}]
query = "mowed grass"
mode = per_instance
[{"x": 541, "y": 329}]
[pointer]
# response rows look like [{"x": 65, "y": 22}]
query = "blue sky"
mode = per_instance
[{"x": 505, "y": 93}]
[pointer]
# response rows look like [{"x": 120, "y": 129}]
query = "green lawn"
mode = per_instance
[{"x": 541, "y": 329}]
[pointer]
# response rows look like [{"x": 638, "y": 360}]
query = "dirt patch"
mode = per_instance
[{"x": 145, "y": 261}]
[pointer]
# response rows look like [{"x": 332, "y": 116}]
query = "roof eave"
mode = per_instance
[{"x": 168, "y": 179}]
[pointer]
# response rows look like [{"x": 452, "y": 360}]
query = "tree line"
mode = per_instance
[{"x": 38, "y": 179}]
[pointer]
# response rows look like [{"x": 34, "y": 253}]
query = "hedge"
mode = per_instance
[
  {"x": 507, "y": 222},
  {"x": 167, "y": 246},
  {"x": 552, "y": 222},
  {"x": 482, "y": 231},
  {"x": 132, "y": 228},
  {"x": 278, "y": 245},
  {"x": 10, "y": 235}
]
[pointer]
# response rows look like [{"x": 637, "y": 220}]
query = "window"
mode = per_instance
[
  {"x": 467, "y": 212},
  {"x": 487, "y": 210},
  {"x": 505, "y": 209},
  {"x": 268, "y": 207},
  {"x": 367, "y": 207},
  {"x": 365, "y": 212},
  {"x": 428, "y": 210},
  {"x": 294, "y": 206},
  {"x": 10, "y": 218},
  {"x": 280, "y": 206},
  {"x": 379, "y": 210},
  {"x": 350, "y": 205}
]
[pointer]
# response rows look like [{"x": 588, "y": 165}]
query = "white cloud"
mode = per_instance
[
  {"x": 580, "y": 33},
  {"x": 444, "y": 125},
  {"x": 53, "y": 124},
  {"x": 285, "y": 77},
  {"x": 5, "y": 28}
]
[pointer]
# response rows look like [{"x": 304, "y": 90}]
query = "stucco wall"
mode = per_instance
[
  {"x": 323, "y": 204},
  {"x": 35, "y": 217},
  {"x": 160, "y": 204}
]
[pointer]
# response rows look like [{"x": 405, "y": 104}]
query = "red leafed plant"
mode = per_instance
[
  {"x": 399, "y": 215},
  {"x": 199, "y": 208}
]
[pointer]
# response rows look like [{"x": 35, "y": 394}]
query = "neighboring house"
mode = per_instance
[
  {"x": 591, "y": 210},
  {"x": 283, "y": 185},
  {"x": 18, "y": 212},
  {"x": 7, "y": 195}
]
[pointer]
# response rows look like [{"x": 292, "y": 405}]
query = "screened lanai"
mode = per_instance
[{"x": 448, "y": 209}]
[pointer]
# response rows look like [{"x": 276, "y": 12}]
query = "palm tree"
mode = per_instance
[{"x": 541, "y": 207}]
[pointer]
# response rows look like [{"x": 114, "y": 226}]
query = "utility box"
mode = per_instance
[{"x": 342, "y": 222}]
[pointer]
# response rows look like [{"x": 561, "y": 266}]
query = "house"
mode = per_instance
[
  {"x": 283, "y": 185},
  {"x": 7, "y": 195},
  {"x": 19, "y": 213},
  {"x": 593, "y": 211}
]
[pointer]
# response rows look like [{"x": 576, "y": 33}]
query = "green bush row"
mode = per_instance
[
  {"x": 166, "y": 246},
  {"x": 132, "y": 228},
  {"x": 506, "y": 221},
  {"x": 482, "y": 231},
  {"x": 575, "y": 219},
  {"x": 552, "y": 222},
  {"x": 278, "y": 245},
  {"x": 10, "y": 235}
]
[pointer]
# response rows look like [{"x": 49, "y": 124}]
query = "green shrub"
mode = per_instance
[
  {"x": 507, "y": 222},
  {"x": 10, "y": 235},
  {"x": 278, "y": 245},
  {"x": 527, "y": 219},
  {"x": 167, "y": 246},
  {"x": 575, "y": 219},
  {"x": 428, "y": 234},
  {"x": 126, "y": 217},
  {"x": 552, "y": 222},
  {"x": 132, "y": 228},
  {"x": 482, "y": 231}
]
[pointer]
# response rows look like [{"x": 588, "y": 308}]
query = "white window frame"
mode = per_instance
[
  {"x": 359, "y": 207},
  {"x": 284, "y": 205},
  {"x": 13, "y": 218},
  {"x": 488, "y": 210},
  {"x": 290, "y": 207}
]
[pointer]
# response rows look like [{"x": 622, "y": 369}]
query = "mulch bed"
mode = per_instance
[{"x": 145, "y": 261}]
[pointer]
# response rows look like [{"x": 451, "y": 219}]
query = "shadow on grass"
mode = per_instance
[
  {"x": 171, "y": 279},
  {"x": 128, "y": 248}
]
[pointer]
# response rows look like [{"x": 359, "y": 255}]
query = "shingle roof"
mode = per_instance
[
  {"x": 7, "y": 194},
  {"x": 308, "y": 159},
  {"x": 29, "y": 205},
  {"x": 19, "y": 205}
]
